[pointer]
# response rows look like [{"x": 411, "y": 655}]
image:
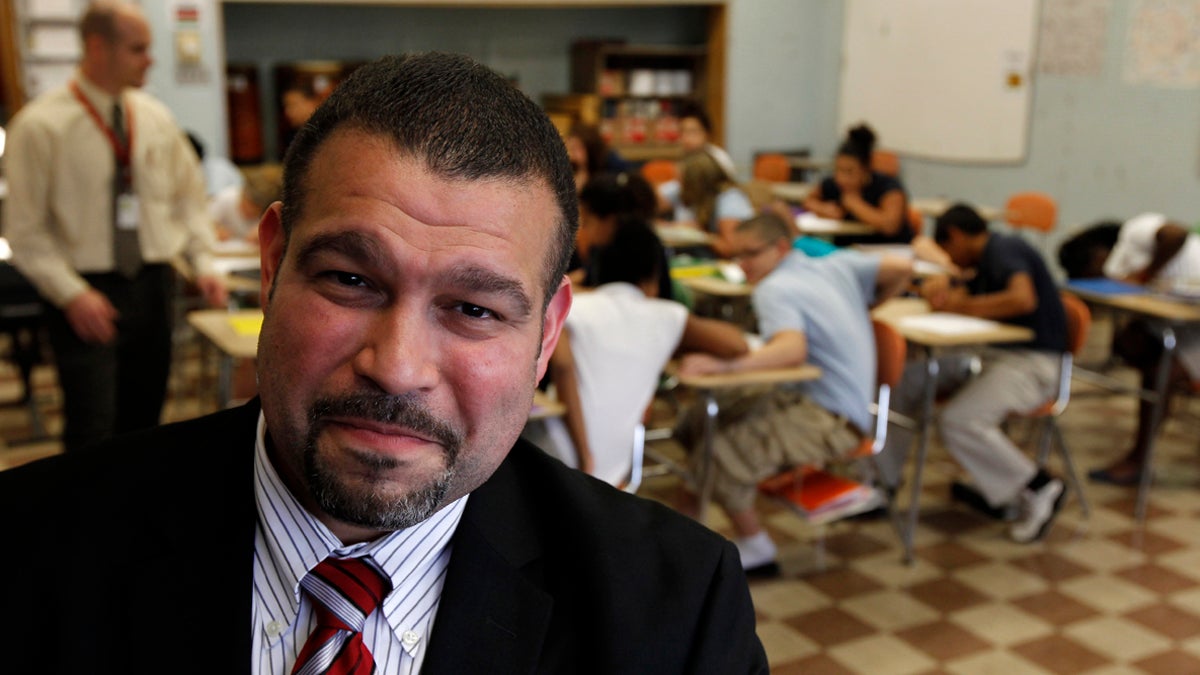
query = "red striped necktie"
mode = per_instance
[{"x": 345, "y": 591}]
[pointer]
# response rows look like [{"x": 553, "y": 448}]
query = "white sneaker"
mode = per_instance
[{"x": 1037, "y": 511}]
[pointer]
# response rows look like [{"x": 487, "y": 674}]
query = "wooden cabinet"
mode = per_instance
[{"x": 634, "y": 93}]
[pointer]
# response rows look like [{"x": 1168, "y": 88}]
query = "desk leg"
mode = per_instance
[
  {"x": 914, "y": 506},
  {"x": 1162, "y": 382},
  {"x": 705, "y": 479}
]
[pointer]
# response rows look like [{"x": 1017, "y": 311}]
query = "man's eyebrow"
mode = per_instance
[
  {"x": 489, "y": 281},
  {"x": 353, "y": 245}
]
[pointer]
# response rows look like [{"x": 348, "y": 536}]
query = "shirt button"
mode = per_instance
[
  {"x": 409, "y": 638},
  {"x": 275, "y": 628}
]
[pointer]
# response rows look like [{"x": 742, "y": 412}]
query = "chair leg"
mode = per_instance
[{"x": 1069, "y": 463}]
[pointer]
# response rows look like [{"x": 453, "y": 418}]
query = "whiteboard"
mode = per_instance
[{"x": 941, "y": 79}]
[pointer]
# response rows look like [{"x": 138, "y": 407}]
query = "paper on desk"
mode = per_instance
[
  {"x": 681, "y": 233},
  {"x": 808, "y": 222},
  {"x": 231, "y": 265},
  {"x": 246, "y": 325},
  {"x": 946, "y": 323}
]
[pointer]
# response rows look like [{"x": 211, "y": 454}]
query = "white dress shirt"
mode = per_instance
[{"x": 289, "y": 541}]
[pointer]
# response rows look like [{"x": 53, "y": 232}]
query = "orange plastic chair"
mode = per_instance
[
  {"x": 1079, "y": 323},
  {"x": 772, "y": 166},
  {"x": 886, "y": 162},
  {"x": 659, "y": 171},
  {"x": 1034, "y": 210},
  {"x": 788, "y": 486}
]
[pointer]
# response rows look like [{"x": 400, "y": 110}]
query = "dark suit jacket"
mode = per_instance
[{"x": 146, "y": 544}]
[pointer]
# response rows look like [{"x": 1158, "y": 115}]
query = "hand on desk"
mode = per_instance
[
  {"x": 702, "y": 364},
  {"x": 827, "y": 210},
  {"x": 942, "y": 295}
]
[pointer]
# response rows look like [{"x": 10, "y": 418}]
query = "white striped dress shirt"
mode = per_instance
[{"x": 289, "y": 541}]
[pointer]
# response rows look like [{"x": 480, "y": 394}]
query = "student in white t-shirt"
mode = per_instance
[
  {"x": 1149, "y": 250},
  {"x": 237, "y": 209},
  {"x": 616, "y": 341}
]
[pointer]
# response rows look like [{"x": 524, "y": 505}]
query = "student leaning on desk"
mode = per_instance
[
  {"x": 810, "y": 310},
  {"x": 1011, "y": 283},
  {"x": 605, "y": 376},
  {"x": 1147, "y": 249},
  {"x": 858, "y": 193}
]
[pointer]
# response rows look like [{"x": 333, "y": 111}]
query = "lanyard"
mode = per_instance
[{"x": 122, "y": 150}]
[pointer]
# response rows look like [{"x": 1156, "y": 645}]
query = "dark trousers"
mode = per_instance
[{"x": 121, "y": 386}]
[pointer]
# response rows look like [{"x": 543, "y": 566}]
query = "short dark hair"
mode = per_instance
[
  {"x": 463, "y": 120},
  {"x": 1077, "y": 255},
  {"x": 769, "y": 226},
  {"x": 634, "y": 255},
  {"x": 859, "y": 144},
  {"x": 613, "y": 194},
  {"x": 960, "y": 217},
  {"x": 695, "y": 111}
]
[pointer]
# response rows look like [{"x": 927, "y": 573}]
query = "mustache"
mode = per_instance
[{"x": 405, "y": 411}]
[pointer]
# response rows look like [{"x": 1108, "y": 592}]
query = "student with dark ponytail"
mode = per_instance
[{"x": 857, "y": 193}]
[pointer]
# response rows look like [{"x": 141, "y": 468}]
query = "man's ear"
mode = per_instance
[
  {"x": 556, "y": 316},
  {"x": 271, "y": 244}
]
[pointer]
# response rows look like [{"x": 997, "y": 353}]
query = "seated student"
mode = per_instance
[
  {"x": 1148, "y": 249},
  {"x": 812, "y": 310},
  {"x": 298, "y": 102},
  {"x": 710, "y": 200},
  {"x": 590, "y": 155},
  {"x": 1012, "y": 284},
  {"x": 237, "y": 209},
  {"x": 695, "y": 133},
  {"x": 219, "y": 172},
  {"x": 617, "y": 340},
  {"x": 857, "y": 193}
]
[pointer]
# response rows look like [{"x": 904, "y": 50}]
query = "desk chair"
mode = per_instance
[
  {"x": 659, "y": 171},
  {"x": 1034, "y": 211},
  {"x": 1079, "y": 322},
  {"x": 772, "y": 166},
  {"x": 886, "y": 162},
  {"x": 788, "y": 487}
]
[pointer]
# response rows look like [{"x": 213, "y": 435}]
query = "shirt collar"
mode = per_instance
[
  {"x": 406, "y": 556},
  {"x": 101, "y": 100}
]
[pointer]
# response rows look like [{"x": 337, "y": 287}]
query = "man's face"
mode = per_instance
[
  {"x": 956, "y": 246},
  {"x": 404, "y": 334},
  {"x": 756, "y": 257},
  {"x": 692, "y": 135},
  {"x": 128, "y": 57}
]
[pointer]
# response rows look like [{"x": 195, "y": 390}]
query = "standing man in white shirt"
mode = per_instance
[{"x": 104, "y": 190}]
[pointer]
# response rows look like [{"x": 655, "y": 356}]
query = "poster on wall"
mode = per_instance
[
  {"x": 1072, "y": 37},
  {"x": 1163, "y": 48},
  {"x": 185, "y": 18}
]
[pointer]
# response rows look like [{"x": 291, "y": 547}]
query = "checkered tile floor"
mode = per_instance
[{"x": 1099, "y": 595}]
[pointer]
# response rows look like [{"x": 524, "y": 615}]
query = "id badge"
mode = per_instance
[{"x": 128, "y": 211}]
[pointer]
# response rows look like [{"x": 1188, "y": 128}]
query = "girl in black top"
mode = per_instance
[{"x": 857, "y": 193}]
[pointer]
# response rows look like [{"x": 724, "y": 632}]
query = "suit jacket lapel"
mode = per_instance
[{"x": 492, "y": 600}]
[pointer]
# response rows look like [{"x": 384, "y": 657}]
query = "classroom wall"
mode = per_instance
[
  {"x": 531, "y": 45},
  {"x": 197, "y": 98},
  {"x": 1103, "y": 148}
]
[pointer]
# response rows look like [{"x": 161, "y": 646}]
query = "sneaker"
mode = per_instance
[{"x": 1038, "y": 508}]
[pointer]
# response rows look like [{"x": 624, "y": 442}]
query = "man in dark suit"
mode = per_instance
[{"x": 378, "y": 512}]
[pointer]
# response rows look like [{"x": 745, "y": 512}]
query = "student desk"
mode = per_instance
[
  {"x": 933, "y": 333},
  {"x": 1165, "y": 315},
  {"x": 936, "y": 206},
  {"x": 234, "y": 334},
  {"x": 708, "y": 386},
  {"x": 682, "y": 236},
  {"x": 794, "y": 193},
  {"x": 827, "y": 227}
]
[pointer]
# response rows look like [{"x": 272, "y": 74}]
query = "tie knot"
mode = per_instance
[{"x": 349, "y": 589}]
